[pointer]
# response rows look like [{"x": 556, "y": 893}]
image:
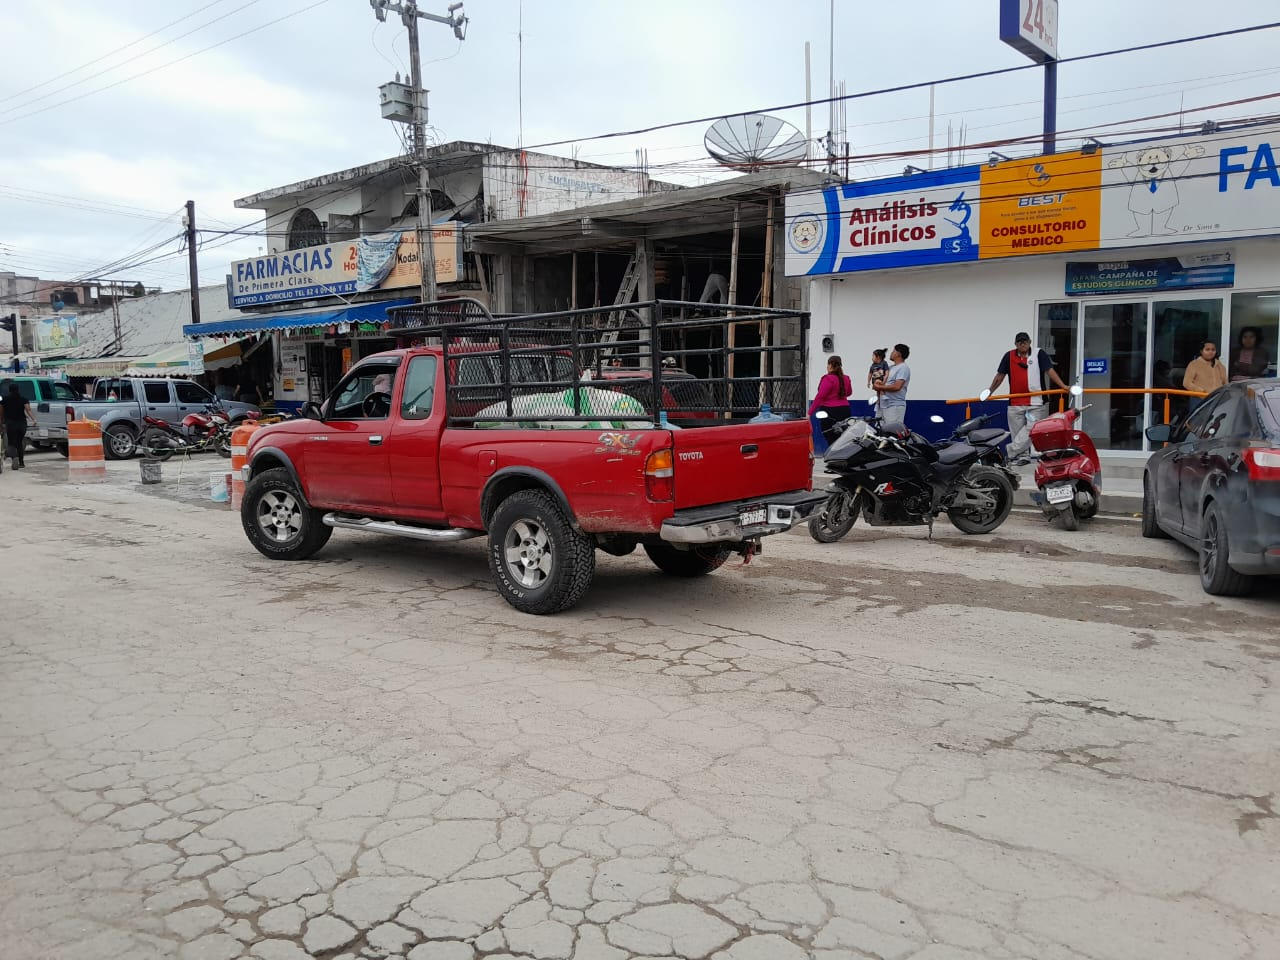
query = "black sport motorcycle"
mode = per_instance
[
  {"x": 988, "y": 440},
  {"x": 902, "y": 479}
]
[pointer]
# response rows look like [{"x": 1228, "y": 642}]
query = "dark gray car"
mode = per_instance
[{"x": 1215, "y": 486}]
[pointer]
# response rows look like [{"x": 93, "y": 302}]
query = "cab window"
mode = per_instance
[
  {"x": 156, "y": 392},
  {"x": 419, "y": 388},
  {"x": 26, "y": 389},
  {"x": 189, "y": 392},
  {"x": 364, "y": 395},
  {"x": 63, "y": 391}
]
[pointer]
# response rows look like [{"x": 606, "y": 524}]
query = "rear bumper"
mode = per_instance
[
  {"x": 724, "y": 522},
  {"x": 1264, "y": 564}
]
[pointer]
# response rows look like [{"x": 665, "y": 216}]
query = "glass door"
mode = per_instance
[
  {"x": 1115, "y": 357},
  {"x": 1179, "y": 329},
  {"x": 1058, "y": 336}
]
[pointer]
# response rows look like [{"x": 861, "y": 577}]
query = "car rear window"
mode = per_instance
[{"x": 1268, "y": 402}]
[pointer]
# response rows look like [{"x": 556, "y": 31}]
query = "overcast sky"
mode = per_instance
[{"x": 100, "y": 146}]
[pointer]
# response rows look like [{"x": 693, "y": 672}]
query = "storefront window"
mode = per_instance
[
  {"x": 1056, "y": 335},
  {"x": 1181, "y": 326},
  {"x": 1115, "y": 357},
  {"x": 1255, "y": 323}
]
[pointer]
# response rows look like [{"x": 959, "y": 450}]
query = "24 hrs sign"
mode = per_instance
[{"x": 1031, "y": 27}]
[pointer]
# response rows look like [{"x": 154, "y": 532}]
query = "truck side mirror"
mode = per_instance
[{"x": 312, "y": 410}]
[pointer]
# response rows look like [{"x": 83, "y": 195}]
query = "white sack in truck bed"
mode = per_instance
[{"x": 598, "y": 410}]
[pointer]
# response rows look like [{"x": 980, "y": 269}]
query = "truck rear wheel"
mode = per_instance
[
  {"x": 539, "y": 562},
  {"x": 688, "y": 563},
  {"x": 278, "y": 521},
  {"x": 119, "y": 442}
]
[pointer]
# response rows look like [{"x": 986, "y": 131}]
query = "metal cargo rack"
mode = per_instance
[{"x": 699, "y": 363}]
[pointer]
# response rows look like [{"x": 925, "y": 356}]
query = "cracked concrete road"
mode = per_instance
[{"x": 1034, "y": 745}]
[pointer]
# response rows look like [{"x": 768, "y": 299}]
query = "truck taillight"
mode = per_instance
[
  {"x": 659, "y": 476},
  {"x": 71, "y": 413},
  {"x": 1263, "y": 464}
]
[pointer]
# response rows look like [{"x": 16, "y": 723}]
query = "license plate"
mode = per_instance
[
  {"x": 42, "y": 433},
  {"x": 1060, "y": 493},
  {"x": 754, "y": 517}
]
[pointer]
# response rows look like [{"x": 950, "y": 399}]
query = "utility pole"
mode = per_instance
[
  {"x": 193, "y": 272},
  {"x": 409, "y": 15}
]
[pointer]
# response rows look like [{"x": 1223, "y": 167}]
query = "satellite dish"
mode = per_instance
[{"x": 752, "y": 141}]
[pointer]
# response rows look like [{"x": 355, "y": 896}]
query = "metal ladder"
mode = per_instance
[{"x": 626, "y": 290}]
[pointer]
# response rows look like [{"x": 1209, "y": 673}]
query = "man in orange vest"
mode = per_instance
[{"x": 1027, "y": 369}]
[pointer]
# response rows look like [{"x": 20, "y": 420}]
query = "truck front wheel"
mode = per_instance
[
  {"x": 278, "y": 521},
  {"x": 688, "y": 563},
  {"x": 539, "y": 562}
]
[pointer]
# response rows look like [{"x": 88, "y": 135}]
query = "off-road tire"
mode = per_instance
[
  {"x": 969, "y": 521},
  {"x": 539, "y": 562},
  {"x": 272, "y": 500},
  {"x": 119, "y": 442},
  {"x": 1150, "y": 529},
  {"x": 696, "y": 562},
  {"x": 1216, "y": 576},
  {"x": 820, "y": 527},
  {"x": 150, "y": 446}
]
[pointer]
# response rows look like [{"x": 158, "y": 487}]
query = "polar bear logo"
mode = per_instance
[{"x": 1154, "y": 173}]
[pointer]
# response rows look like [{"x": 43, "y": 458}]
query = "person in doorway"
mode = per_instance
[
  {"x": 246, "y": 387},
  {"x": 1251, "y": 360},
  {"x": 225, "y": 389},
  {"x": 893, "y": 388},
  {"x": 1204, "y": 374},
  {"x": 17, "y": 414},
  {"x": 832, "y": 396},
  {"x": 1027, "y": 370}
]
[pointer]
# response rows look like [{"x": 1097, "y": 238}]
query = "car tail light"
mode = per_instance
[
  {"x": 659, "y": 476},
  {"x": 71, "y": 413},
  {"x": 1263, "y": 464}
]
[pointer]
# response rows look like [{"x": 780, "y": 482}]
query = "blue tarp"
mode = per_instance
[{"x": 259, "y": 322}]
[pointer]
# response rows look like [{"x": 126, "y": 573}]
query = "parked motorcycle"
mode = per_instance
[
  {"x": 988, "y": 440},
  {"x": 210, "y": 430},
  {"x": 902, "y": 479},
  {"x": 1068, "y": 473}
]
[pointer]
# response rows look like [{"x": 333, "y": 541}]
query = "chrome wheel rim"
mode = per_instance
[
  {"x": 121, "y": 443},
  {"x": 527, "y": 551},
  {"x": 1209, "y": 546},
  {"x": 279, "y": 516}
]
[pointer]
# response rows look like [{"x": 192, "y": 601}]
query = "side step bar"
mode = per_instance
[{"x": 399, "y": 529}]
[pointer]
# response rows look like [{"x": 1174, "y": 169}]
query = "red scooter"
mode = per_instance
[{"x": 1068, "y": 473}]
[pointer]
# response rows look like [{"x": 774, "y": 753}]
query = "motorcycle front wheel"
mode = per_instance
[
  {"x": 222, "y": 443},
  {"x": 973, "y": 519},
  {"x": 835, "y": 517}
]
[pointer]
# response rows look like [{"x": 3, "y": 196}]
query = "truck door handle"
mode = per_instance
[
  {"x": 375, "y": 439},
  {"x": 749, "y": 449}
]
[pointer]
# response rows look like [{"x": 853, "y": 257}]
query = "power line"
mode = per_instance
[
  {"x": 924, "y": 84},
  {"x": 125, "y": 63},
  {"x": 110, "y": 53},
  {"x": 163, "y": 66}
]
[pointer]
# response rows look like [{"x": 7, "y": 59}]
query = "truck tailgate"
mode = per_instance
[{"x": 741, "y": 461}]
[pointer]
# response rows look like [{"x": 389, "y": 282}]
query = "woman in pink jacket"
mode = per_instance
[{"x": 833, "y": 396}]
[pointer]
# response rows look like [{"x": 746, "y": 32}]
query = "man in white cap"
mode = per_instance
[{"x": 1027, "y": 369}]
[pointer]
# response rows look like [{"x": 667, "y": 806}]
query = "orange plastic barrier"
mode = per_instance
[
  {"x": 239, "y": 457},
  {"x": 86, "y": 462}
]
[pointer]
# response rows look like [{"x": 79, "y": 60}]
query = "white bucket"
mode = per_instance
[{"x": 220, "y": 487}]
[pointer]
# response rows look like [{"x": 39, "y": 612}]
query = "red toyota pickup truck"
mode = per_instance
[{"x": 500, "y": 429}]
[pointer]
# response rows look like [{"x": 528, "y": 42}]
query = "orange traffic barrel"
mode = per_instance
[
  {"x": 86, "y": 462},
  {"x": 239, "y": 457}
]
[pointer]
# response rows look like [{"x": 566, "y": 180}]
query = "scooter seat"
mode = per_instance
[{"x": 955, "y": 453}]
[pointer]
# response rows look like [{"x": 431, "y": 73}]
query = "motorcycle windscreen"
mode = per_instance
[{"x": 736, "y": 462}]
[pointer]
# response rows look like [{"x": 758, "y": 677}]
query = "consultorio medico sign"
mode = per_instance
[
  {"x": 383, "y": 261},
  {"x": 1209, "y": 187}
]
